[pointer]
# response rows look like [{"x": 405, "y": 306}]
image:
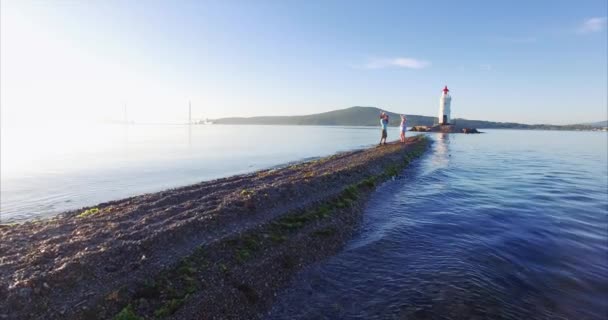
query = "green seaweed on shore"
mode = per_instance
[
  {"x": 187, "y": 275},
  {"x": 351, "y": 192},
  {"x": 324, "y": 211},
  {"x": 8, "y": 225},
  {"x": 242, "y": 255},
  {"x": 345, "y": 199},
  {"x": 175, "y": 286},
  {"x": 127, "y": 313},
  {"x": 265, "y": 173},
  {"x": 245, "y": 247},
  {"x": 367, "y": 183},
  {"x": 293, "y": 222},
  {"x": 88, "y": 212},
  {"x": 297, "y": 221},
  {"x": 223, "y": 267},
  {"x": 277, "y": 238},
  {"x": 325, "y": 232},
  {"x": 170, "y": 307},
  {"x": 341, "y": 204},
  {"x": 251, "y": 242},
  {"x": 392, "y": 171},
  {"x": 248, "y": 193},
  {"x": 186, "y": 268},
  {"x": 191, "y": 284},
  {"x": 309, "y": 174}
]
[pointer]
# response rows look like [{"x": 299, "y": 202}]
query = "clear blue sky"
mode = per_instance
[{"x": 523, "y": 61}]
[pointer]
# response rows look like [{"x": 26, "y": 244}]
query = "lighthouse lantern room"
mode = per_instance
[{"x": 444, "y": 107}]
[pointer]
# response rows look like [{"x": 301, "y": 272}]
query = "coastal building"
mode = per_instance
[{"x": 444, "y": 107}]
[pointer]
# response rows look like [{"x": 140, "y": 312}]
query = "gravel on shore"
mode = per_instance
[{"x": 214, "y": 250}]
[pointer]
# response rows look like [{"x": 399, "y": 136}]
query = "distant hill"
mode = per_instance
[
  {"x": 354, "y": 116},
  {"x": 368, "y": 116},
  {"x": 600, "y": 124}
]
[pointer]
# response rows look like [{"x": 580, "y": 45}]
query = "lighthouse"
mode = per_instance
[{"x": 444, "y": 107}]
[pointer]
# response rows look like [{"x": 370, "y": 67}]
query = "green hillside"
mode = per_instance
[
  {"x": 599, "y": 124},
  {"x": 354, "y": 116}
]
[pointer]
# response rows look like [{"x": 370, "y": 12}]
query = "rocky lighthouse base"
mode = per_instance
[{"x": 444, "y": 128}]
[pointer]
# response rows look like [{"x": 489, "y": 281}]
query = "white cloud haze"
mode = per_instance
[
  {"x": 595, "y": 24},
  {"x": 399, "y": 62},
  {"x": 515, "y": 40},
  {"x": 486, "y": 67}
]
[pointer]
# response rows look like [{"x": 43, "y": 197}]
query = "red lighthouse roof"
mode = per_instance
[{"x": 446, "y": 90}]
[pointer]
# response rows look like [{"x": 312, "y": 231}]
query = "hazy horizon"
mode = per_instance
[
  {"x": 542, "y": 62},
  {"x": 132, "y": 121},
  {"x": 388, "y": 110}
]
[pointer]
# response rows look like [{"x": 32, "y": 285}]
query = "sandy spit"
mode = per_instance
[{"x": 220, "y": 249}]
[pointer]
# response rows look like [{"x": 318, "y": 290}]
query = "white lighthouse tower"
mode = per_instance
[{"x": 444, "y": 107}]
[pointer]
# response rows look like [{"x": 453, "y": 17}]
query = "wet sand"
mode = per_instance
[{"x": 214, "y": 250}]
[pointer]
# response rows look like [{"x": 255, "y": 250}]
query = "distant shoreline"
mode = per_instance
[
  {"x": 598, "y": 129},
  {"x": 368, "y": 116}
]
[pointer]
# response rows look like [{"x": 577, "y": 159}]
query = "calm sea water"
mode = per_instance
[
  {"x": 504, "y": 225},
  {"x": 45, "y": 171}
]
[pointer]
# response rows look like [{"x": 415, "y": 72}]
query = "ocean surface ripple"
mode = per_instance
[{"x": 483, "y": 227}]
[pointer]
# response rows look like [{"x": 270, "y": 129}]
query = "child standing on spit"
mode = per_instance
[
  {"x": 403, "y": 127},
  {"x": 383, "y": 125}
]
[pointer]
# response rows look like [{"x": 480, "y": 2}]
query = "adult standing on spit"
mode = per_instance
[
  {"x": 384, "y": 125},
  {"x": 403, "y": 127}
]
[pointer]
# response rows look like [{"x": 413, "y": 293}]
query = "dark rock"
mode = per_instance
[
  {"x": 249, "y": 204},
  {"x": 469, "y": 130},
  {"x": 419, "y": 128},
  {"x": 444, "y": 128},
  {"x": 25, "y": 292},
  {"x": 110, "y": 268}
]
